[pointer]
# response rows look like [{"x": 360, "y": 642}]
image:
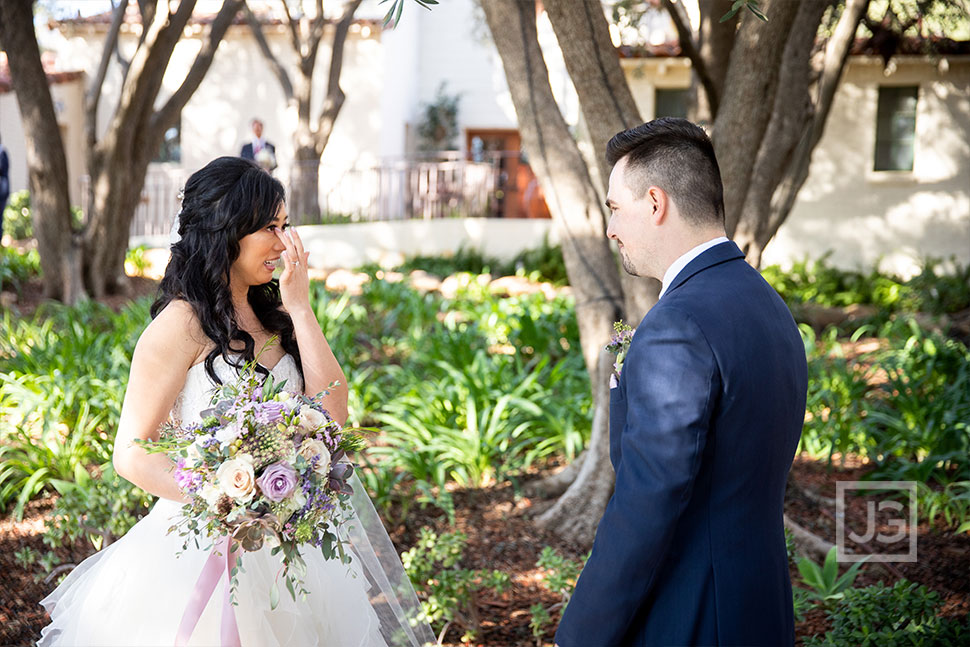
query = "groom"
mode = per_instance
[{"x": 704, "y": 420}]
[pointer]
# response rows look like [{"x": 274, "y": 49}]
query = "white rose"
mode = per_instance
[
  {"x": 312, "y": 447},
  {"x": 229, "y": 433},
  {"x": 311, "y": 419},
  {"x": 292, "y": 503},
  {"x": 236, "y": 478},
  {"x": 210, "y": 493}
]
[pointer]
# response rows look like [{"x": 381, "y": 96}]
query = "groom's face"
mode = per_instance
[{"x": 629, "y": 223}]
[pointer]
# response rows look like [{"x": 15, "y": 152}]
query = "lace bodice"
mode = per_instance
[{"x": 197, "y": 392}]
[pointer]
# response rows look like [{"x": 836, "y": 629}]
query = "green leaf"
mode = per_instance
[
  {"x": 274, "y": 596},
  {"x": 964, "y": 527},
  {"x": 730, "y": 14},
  {"x": 830, "y": 571},
  {"x": 753, "y": 7},
  {"x": 811, "y": 573}
]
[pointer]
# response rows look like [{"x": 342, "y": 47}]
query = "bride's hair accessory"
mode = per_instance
[{"x": 174, "y": 236}]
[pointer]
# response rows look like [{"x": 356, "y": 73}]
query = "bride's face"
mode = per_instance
[{"x": 259, "y": 253}]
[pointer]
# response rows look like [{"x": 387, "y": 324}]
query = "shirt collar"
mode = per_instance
[{"x": 682, "y": 262}]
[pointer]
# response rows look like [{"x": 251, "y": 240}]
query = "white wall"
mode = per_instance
[
  {"x": 240, "y": 85},
  {"x": 389, "y": 243},
  {"x": 68, "y": 98},
  {"x": 864, "y": 217}
]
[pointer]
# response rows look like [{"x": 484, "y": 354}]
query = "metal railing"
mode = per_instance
[
  {"x": 159, "y": 201},
  {"x": 410, "y": 188},
  {"x": 393, "y": 189}
]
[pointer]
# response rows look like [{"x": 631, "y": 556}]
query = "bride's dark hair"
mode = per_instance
[{"x": 224, "y": 201}]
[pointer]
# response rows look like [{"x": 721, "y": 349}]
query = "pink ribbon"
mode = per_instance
[{"x": 221, "y": 560}]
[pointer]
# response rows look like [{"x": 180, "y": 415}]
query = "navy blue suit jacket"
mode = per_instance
[
  {"x": 703, "y": 428},
  {"x": 247, "y": 151}
]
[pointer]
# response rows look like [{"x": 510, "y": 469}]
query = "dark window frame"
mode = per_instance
[{"x": 896, "y": 114}]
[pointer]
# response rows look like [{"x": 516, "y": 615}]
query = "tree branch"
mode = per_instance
[
  {"x": 315, "y": 34},
  {"x": 689, "y": 48},
  {"x": 335, "y": 95},
  {"x": 148, "y": 68},
  {"x": 268, "y": 54},
  {"x": 749, "y": 90},
  {"x": 294, "y": 30},
  {"x": 836, "y": 54},
  {"x": 173, "y": 107},
  {"x": 93, "y": 96}
]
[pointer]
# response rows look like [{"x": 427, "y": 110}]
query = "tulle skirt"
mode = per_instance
[{"x": 135, "y": 592}]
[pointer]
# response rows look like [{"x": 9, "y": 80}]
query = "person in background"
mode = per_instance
[
  {"x": 4, "y": 184},
  {"x": 259, "y": 150}
]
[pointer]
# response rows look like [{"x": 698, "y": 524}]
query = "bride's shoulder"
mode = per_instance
[{"x": 174, "y": 334}]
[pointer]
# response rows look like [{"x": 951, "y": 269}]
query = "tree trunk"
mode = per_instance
[
  {"x": 756, "y": 78},
  {"x": 117, "y": 188},
  {"x": 46, "y": 162},
  {"x": 749, "y": 95},
  {"x": 790, "y": 116},
  {"x": 118, "y": 163},
  {"x": 608, "y": 108},
  {"x": 309, "y": 139},
  {"x": 786, "y": 188},
  {"x": 304, "y": 203},
  {"x": 578, "y": 213}
]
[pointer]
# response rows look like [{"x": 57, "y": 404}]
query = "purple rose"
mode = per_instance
[
  {"x": 277, "y": 481},
  {"x": 269, "y": 412}
]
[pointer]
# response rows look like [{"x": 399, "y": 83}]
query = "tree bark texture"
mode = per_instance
[
  {"x": 756, "y": 78},
  {"x": 749, "y": 98},
  {"x": 576, "y": 208},
  {"x": 46, "y": 162},
  {"x": 773, "y": 110},
  {"x": 118, "y": 163},
  {"x": 311, "y": 136},
  {"x": 607, "y": 104}
]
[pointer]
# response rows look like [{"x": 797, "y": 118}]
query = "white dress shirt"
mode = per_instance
[{"x": 682, "y": 262}]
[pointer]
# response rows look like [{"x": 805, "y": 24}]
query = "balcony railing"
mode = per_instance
[{"x": 396, "y": 189}]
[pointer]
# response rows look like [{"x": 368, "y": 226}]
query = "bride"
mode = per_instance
[{"x": 216, "y": 305}]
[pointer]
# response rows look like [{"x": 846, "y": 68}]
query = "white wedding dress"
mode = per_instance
[{"x": 135, "y": 591}]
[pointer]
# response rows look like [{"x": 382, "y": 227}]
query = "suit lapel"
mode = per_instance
[{"x": 716, "y": 255}]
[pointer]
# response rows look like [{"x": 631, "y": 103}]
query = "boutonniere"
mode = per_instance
[{"x": 619, "y": 345}]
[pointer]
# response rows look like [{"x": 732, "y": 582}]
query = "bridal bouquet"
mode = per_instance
[{"x": 264, "y": 467}]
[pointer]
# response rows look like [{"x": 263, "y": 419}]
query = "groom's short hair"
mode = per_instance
[{"x": 677, "y": 156}]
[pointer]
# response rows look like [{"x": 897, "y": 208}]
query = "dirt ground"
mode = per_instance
[{"x": 502, "y": 535}]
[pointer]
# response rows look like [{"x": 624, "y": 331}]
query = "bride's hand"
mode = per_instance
[{"x": 294, "y": 281}]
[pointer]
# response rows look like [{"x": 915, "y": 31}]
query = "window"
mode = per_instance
[
  {"x": 670, "y": 102},
  {"x": 171, "y": 148},
  {"x": 895, "y": 128}
]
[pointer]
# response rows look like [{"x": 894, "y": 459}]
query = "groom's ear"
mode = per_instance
[{"x": 657, "y": 205}]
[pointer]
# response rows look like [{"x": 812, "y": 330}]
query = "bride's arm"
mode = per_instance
[
  {"x": 163, "y": 356},
  {"x": 320, "y": 367}
]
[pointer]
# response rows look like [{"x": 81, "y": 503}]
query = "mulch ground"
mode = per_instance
[
  {"x": 498, "y": 522},
  {"x": 502, "y": 535}
]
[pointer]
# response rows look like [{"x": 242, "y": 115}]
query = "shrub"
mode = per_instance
[
  {"x": 448, "y": 592},
  {"x": 560, "y": 577},
  {"x": 99, "y": 509},
  {"x": 17, "y": 267},
  {"x": 16, "y": 217},
  {"x": 897, "y": 616},
  {"x": 824, "y": 582},
  {"x": 63, "y": 374}
]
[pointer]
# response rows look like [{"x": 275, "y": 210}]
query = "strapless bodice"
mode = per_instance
[{"x": 198, "y": 388}]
